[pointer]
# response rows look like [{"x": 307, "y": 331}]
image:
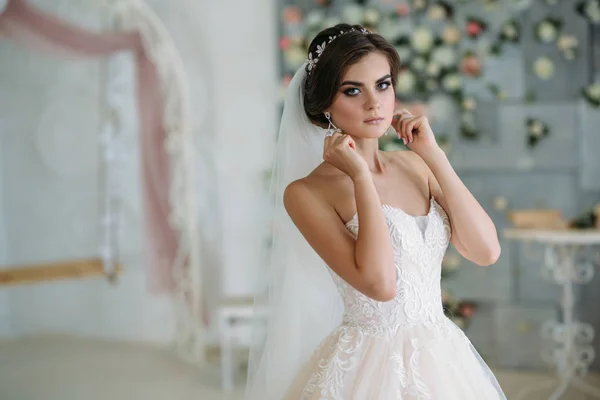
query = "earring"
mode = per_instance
[{"x": 331, "y": 129}]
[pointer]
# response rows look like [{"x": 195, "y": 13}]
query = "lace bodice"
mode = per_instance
[{"x": 418, "y": 254}]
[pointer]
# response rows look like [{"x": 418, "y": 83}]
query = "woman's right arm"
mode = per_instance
[{"x": 367, "y": 263}]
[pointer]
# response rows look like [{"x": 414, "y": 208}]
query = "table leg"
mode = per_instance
[{"x": 570, "y": 349}]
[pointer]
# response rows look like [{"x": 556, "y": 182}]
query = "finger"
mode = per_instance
[
  {"x": 409, "y": 131},
  {"x": 403, "y": 129},
  {"x": 398, "y": 128},
  {"x": 413, "y": 128},
  {"x": 351, "y": 142},
  {"x": 395, "y": 119},
  {"x": 337, "y": 135},
  {"x": 339, "y": 138},
  {"x": 345, "y": 140},
  {"x": 404, "y": 113}
]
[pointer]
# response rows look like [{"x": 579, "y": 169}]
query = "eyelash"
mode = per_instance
[{"x": 387, "y": 83}]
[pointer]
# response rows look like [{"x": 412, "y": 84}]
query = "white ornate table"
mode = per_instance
[{"x": 570, "y": 351}]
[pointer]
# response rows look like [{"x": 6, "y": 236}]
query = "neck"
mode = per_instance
[{"x": 369, "y": 150}]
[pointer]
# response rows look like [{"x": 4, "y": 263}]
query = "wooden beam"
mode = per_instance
[{"x": 26, "y": 274}]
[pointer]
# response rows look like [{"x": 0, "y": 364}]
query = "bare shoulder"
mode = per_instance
[
  {"x": 305, "y": 192},
  {"x": 300, "y": 193},
  {"x": 323, "y": 188}
]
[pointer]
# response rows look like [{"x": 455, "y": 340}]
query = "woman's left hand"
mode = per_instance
[{"x": 414, "y": 131}]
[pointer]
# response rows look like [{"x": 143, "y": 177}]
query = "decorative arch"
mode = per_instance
[{"x": 166, "y": 150}]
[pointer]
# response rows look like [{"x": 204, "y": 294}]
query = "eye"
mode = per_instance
[
  {"x": 351, "y": 92},
  {"x": 384, "y": 85}
]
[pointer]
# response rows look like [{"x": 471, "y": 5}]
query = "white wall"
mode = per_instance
[
  {"x": 5, "y": 321},
  {"x": 243, "y": 61},
  {"x": 51, "y": 210}
]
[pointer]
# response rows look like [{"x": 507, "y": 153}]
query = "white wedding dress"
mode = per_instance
[{"x": 405, "y": 348}]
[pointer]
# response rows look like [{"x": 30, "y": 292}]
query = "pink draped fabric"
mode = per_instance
[{"x": 38, "y": 31}]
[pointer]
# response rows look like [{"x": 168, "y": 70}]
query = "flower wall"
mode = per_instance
[
  {"x": 512, "y": 90},
  {"x": 450, "y": 51}
]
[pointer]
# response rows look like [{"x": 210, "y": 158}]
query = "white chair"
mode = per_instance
[{"x": 236, "y": 319}]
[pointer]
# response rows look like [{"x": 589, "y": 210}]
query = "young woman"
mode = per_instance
[{"x": 355, "y": 298}]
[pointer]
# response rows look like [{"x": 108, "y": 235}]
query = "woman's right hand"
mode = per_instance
[{"x": 340, "y": 151}]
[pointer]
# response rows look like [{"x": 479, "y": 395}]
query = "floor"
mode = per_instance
[{"x": 66, "y": 368}]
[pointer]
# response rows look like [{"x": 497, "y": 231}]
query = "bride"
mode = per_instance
[{"x": 354, "y": 296}]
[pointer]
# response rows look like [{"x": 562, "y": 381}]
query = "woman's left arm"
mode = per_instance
[{"x": 474, "y": 234}]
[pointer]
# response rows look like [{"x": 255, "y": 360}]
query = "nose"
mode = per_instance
[{"x": 373, "y": 102}]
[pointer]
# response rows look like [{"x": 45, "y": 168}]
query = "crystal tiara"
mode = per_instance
[{"x": 312, "y": 60}]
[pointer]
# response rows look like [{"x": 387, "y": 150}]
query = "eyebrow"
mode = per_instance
[{"x": 353, "y": 83}]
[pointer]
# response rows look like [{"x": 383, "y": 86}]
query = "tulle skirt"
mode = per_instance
[{"x": 429, "y": 361}]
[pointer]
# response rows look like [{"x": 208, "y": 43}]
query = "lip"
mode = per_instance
[{"x": 374, "y": 120}]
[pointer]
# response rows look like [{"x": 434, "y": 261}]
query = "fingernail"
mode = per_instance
[{"x": 404, "y": 140}]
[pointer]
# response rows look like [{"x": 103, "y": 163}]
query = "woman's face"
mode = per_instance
[{"x": 364, "y": 104}]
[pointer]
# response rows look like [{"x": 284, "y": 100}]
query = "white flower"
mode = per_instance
[
  {"x": 546, "y": 32},
  {"x": 371, "y": 16},
  {"x": 419, "y": 4},
  {"x": 451, "y": 82},
  {"x": 451, "y": 34},
  {"x": 593, "y": 91},
  {"x": 543, "y": 68},
  {"x": 433, "y": 69},
  {"x": 567, "y": 42},
  {"x": 469, "y": 104},
  {"x": 390, "y": 28},
  {"x": 436, "y": 12},
  {"x": 510, "y": 31},
  {"x": 403, "y": 53},
  {"x": 418, "y": 64},
  {"x": 422, "y": 40},
  {"x": 591, "y": 9},
  {"x": 294, "y": 56},
  {"x": 353, "y": 14},
  {"x": 536, "y": 128},
  {"x": 431, "y": 84},
  {"x": 445, "y": 56},
  {"x": 406, "y": 82},
  {"x": 314, "y": 18},
  {"x": 500, "y": 203},
  {"x": 451, "y": 262}
]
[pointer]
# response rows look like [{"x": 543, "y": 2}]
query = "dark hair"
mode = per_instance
[{"x": 323, "y": 81}]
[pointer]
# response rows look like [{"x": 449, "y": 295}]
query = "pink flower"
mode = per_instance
[
  {"x": 292, "y": 15},
  {"x": 284, "y": 42},
  {"x": 467, "y": 310},
  {"x": 474, "y": 28},
  {"x": 471, "y": 65},
  {"x": 402, "y": 9},
  {"x": 286, "y": 80}
]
